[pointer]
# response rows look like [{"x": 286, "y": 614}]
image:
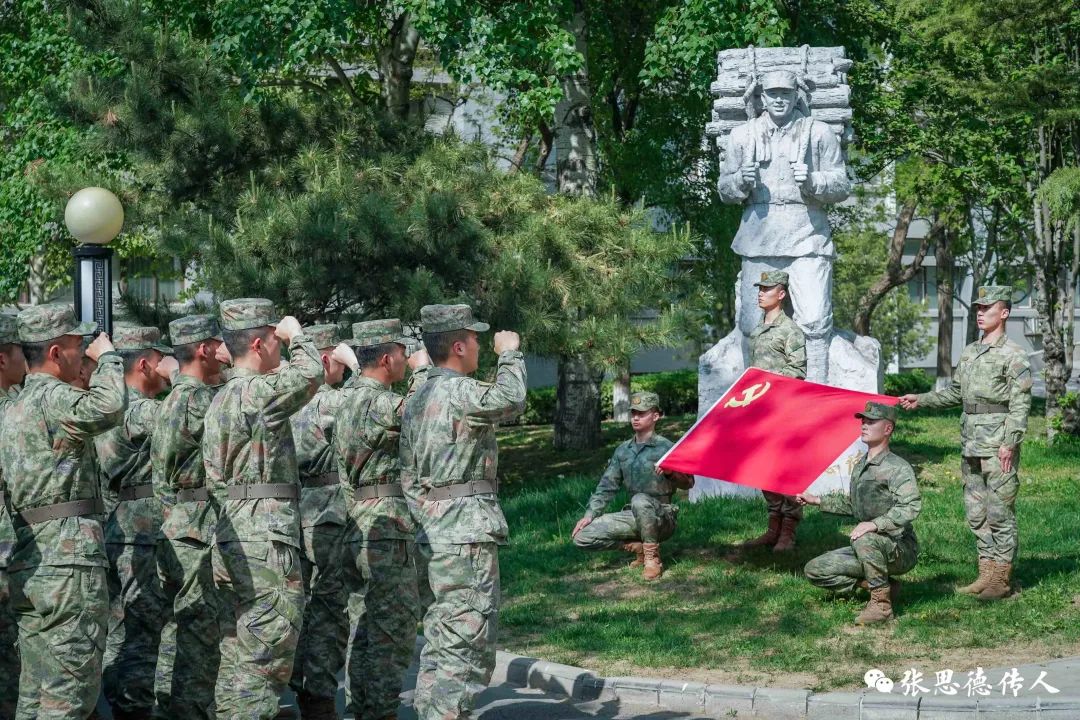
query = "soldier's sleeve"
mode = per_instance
[
  {"x": 730, "y": 182},
  {"x": 836, "y": 503},
  {"x": 85, "y": 414},
  {"x": 908, "y": 500},
  {"x": 286, "y": 390},
  {"x": 1019, "y": 401},
  {"x": 141, "y": 418},
  {"x": 795, "y": 355},
  {"x": 947, "y": 396},
  {"x": 606, "y": 488},
  {"x": 499, "y": 401},
  {"x": 418, "y": 378},
  {"x": 829, "y": 182},
  {"x": 407, "y": 459}
]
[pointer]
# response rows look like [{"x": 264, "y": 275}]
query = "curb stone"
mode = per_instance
[{"x": 738, "y": 701}]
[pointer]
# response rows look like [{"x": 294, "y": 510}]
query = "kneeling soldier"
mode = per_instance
[
  {"x": 885, "y": 499},
  {"x": 649, "y": 519}
]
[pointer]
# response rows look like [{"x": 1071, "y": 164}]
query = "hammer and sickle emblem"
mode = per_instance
[{"x": 749, "y": 395}]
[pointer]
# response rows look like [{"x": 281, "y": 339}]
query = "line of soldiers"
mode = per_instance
[
  {"x": 993, "y": 384},
  {"x": 256, "y": 528}
]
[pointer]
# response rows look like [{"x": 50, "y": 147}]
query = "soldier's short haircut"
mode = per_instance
[
  {"x": 369, "y": 356},
  {"x": 239, "y": 341},
  {"x": 185, "y": 354},
  {"x": 36, "y": 352},
  {"x": 439, "y": 344},
  {"x": 131, "y": 358}
]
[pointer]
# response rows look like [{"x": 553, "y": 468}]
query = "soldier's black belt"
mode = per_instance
[
  {"x": 370, "y": 492},
  {"x": 193, "y": 495},
  {"x": 475, "y": 487},
  {"x": 984, "y": 408},
  {"x": 324, "y": 480},
  {"x": 263, "y": 491},
  {"x": 74, "y": 508},
  {"x": 135, "y": 492}
]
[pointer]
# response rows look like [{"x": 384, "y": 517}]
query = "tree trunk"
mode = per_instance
[
  {"x": 620, "y": 394},
  {"x": 577, "y": 405},
  {"x": 946, "y": 262},
  {"x": 396, "y": 65},
  {"x": 38, "y": 279}
]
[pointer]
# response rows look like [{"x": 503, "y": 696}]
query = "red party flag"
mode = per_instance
[{"x": 771, "y": 432}]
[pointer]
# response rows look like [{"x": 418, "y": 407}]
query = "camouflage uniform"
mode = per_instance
[
  {"x": 188, "y": 665},
  {"x": 993, "y": 383},
  {"x": 250, "y": 462},
  {"x": 9, "y": 629},
  {"x": 650, "y": 517},
  {"x": 131, "y": 534},
  {"x": 779, "y": 347},
  {"x": 57, "y": 570},
  {"x": 380, "y": 576},
  {"x": 449, "y": 464},
  {"x": 321, "y": 650},
  {"x": 883, "y": 491}
]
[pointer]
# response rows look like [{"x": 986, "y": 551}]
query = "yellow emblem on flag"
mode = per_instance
[{"x": 749, "y": 395}]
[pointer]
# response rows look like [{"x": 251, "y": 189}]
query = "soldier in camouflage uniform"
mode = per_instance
[
  {"x": 57, "y": 570},
  {"x": 12, "y": 373},
  {"x": 650, "y": 517},
  {"x": 380, "y": 576},
  {"x": 321, "y": 651},
  {"x": 777, "y": 345},
  {"x": 131, "y": 532},
  {"x": 993, "y": 383},
  {"x": 250, "y": 462},
  {"x": 884, "y": 499},
  {"x": 188, "y": 665},
  {"x": 449, "y": 465}
]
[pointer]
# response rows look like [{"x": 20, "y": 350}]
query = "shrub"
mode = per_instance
[
  {"x": 677, "y": 390},
  {"x": 911, "y": 381}
]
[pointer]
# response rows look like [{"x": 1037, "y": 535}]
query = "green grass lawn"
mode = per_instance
[{"x": 758, "y": 620}]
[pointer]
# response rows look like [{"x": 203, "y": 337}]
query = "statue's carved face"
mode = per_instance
[{"x": 780, "y": 103}]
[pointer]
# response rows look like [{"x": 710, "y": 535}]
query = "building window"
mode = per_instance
[{"x": 922, "y": 287}]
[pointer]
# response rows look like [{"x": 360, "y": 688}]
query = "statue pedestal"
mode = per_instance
[{"x": 854, "y": 364}]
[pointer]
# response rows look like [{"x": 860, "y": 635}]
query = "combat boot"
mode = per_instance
[
  {"x": 894, "y": 589},
  {"x": 653, "y": 567},
  {"x": 878, "y": 610},
  {"x": 985, "y": 567},
  {"x": 770, "y": 536},
  {"x": 786, "y": 543},
  {"x": 316, "y": 708},
  {"x": 635, "y": 548},
  {"x": 998, "y": 586}
]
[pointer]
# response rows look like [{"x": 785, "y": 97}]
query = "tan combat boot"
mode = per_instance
[
  {"x": 653, "y": 567},
  {"x": 878, "y": 610},
  {"x": 786, "y": 543},
  {"x": 985, "y": 566},
  {"x": 894, "y": 589},
  {"x": 998, "y": 586},
  {"x": 635, "y": 548},
  {"x": 770, "y": 536}
]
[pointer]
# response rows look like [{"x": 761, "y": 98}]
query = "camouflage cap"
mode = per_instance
[
  {"x": 377, "y": 332},
  {"x": 644, "y": 401},
  {"x": 40, "y": 323},
  {"x": 9, "y": 329},
  {"x": 771, "y": 278},
  {"x": 990, "y": 294},
  {"x": 878, "y": 411},
  {"x": 139, "y": 338},
  {"x": 194, "y": 328},
  {"x": 445, "y": 318},
  {"x": 248, "y": 313},
  {"x": 779, "y": 79},
  {"x": 323, "y": 336}
]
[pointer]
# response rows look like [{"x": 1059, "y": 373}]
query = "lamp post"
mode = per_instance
[{"x": 94, "y": 217}]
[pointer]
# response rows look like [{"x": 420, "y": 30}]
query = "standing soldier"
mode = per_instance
[
  {"x": 993, "y": 383},
  {"x": 650, "y": 517},
  {"x": 188, "y": 669},
  {"x": 884, "y": 498},
  {"x": 250, "y": 462},
  {"x": 449, "y": 465},
  {"x": 57, "y": 570},
  {"x": 321, "y": 651},
  {"x": 380, "y": 576},
  {"x": 12, "y": 373},
  {"x": 777, "y": 345},
  {"x": 132, "y": 530}
]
